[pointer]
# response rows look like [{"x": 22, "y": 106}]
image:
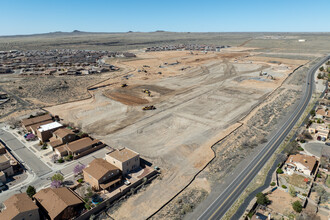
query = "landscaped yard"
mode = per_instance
[{"x": 297, "y": 180}]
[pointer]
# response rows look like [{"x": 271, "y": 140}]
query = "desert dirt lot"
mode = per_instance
[{"x": 198, "y": 98}]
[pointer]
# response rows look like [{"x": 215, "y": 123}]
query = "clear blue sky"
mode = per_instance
[{"x": 40, "y": 16}]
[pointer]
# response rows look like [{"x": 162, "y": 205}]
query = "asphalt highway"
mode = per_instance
[{"x": 227, "y": 198}]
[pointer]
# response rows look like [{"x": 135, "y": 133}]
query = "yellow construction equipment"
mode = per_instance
[{"x": 148, "y": 107}]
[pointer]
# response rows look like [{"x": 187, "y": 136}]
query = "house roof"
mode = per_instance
[
  {"x": 35, "y": 120},
  {"x": 305, "y": 160},
  {"x": 99, "y": 167},
  {"x": 62, "y": 132},
  {"x": 50, "y": 126},
  {"x": 55, "y": 143},
  {"x": 17, "y": 204},
  {"x": 322, "y": 112},
  {"x": 61, "y": 149},
  {"x": 123, "y": 154},
  {"x": 3, "y": 158},
  {"x": 34, "y": 127},
  {"x": 56, "y": 200},
  {"x": 80, "y": 144}
]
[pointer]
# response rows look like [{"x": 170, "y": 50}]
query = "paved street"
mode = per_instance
[{"x": 23, "y": 154}]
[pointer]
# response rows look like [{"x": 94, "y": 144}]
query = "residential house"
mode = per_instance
[
  {"x": 20, "y": 207},
  {"x": 61, "y": 151},
  {"x": 125, "y": 159},
  {"x": 59, "y": 203},
  {"x": 5, "y": 166},
  {"x": 321, "y": 131},
  {"x": 100, "y": 174},
  {"x": 61, "y": 136},
  {"x": 35, "y": 120},
  {"x": 321, "y": 113},
  {"x": 302, "y": 163},
  {"x": 312, "y": 129},
  {"x": 34, "y": 128},
  {"x": 80, "y": 146},
  {"x": 45, "y": 132}
]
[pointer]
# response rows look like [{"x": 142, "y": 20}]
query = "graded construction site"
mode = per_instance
[{"x": 199, "y": 99}]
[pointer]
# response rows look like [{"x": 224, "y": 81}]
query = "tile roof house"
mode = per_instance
[
  {"x": 321, "y": 113},
  {"x": 18, "y": 207},
  {"x": 79, "y": 146},
  {"x": 301, "y": 163},
  {"x": 35, "y": 120},
  {"x": 102, "y": 175},
  {"x": 59, "y": 203},
  {"x": 125, "y": 159},
  {"x": 61, "y": 136}
]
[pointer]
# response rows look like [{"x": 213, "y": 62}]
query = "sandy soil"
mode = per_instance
[
  {"x": 281, "y": 202},
  {"x": 196, "y": 107}
]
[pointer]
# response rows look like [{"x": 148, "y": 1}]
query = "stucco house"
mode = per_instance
[
  {"x": 301, "y": 163},
  {"x": 59, "y": 203},
  {"x": 125, "y": 159},
  {"x": 61, "y": 136},
  {"x": 100, "y": 174}
]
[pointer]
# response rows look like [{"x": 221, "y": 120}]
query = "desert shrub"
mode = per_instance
[
  {"x": 284, "y": 187},
  {"x": 297, "y": 206},
  {"x": 272, "y": 183},
  {"x": 279, "y": 171}
]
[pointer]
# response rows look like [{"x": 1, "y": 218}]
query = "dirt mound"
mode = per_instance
[
  {"x": 126, "y": 98},
  {"x": 134, "y": 95}
]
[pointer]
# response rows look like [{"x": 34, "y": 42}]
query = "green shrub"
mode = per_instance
[
  {"x": 284, "y": 187},
  {"x": 60, "y": 160},
  {"x": 80, "y": 180},
  {"x": 300, "y": 148},
  {"x": 297, "y": 206},
  {"x": 304, "y": 194},
  {"x": 318, "y": 175},
  {"x": 272, "y": 183},
  {"x": 262, "y": 199},
  {"x": 279, "y": 171}
]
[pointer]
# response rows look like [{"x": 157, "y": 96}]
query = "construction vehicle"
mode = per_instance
[
  {"x": 148, "y": 107},
  {"x": 123, "y": 85},
  {"x": 147, "y": 91}
]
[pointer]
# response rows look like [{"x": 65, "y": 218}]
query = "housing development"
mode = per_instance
[{"x": 165, "y": 125}]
